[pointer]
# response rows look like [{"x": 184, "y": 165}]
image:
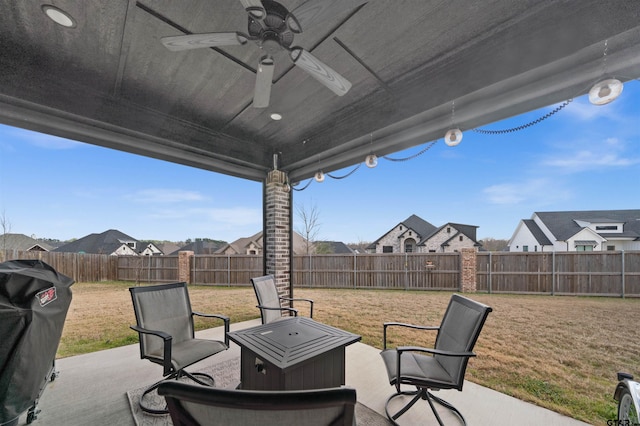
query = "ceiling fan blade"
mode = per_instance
[
  {"x": 264, "y": 76},
  {"x": 320, "y": 71},
  {"x": 254, "y": 8},
  {"x": 196, "y": 41},
  {"x": 315, "y": 11}
]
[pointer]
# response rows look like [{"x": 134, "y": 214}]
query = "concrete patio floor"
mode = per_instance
[{"x": 91, "y": 390}]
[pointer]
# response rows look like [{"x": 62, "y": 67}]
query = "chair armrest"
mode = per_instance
[
  {"x": 401, "y": 349},
  {"x": 402, "y": 324},
  {"x": 269, "y": 308},
  {"x": 166, "y": 351},
  {"x": 301, "y": 300},
  {"x": 164, "y": 335},
  {"x": 219, "y": 316}
]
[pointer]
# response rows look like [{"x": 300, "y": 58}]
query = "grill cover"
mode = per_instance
[{"x": 34, "y": 300}]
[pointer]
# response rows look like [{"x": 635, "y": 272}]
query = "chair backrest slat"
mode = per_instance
[
  {"x": 164, "y": 307},
  {"x": 267, "y": 295},
  {"x": 459, "y": 331}
]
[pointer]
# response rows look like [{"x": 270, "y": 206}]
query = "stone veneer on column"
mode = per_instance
[
  {"x": 184, "y": 266},
  {"x": 468, "y": 270},
  {"x": 277, "y": 230}
]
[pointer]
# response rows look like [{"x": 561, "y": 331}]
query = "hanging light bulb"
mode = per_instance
[
  {"x": 453, "y": 137},
  {"x": 371, "y": 161},
  {"x": 319, "y": 177},
  {"x": 605, "y": 91}
]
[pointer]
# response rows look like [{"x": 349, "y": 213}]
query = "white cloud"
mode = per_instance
[
  {"x": 505, "y": 193},
  {"x": 164, "y": 196},
  {"x": 537, "y": 190},
  {"x": 583, "y": 110},
  {"x": 610, "y": 152}
]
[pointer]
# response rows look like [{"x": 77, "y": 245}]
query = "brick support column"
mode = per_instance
[
  {"x": 184, "y": 266},
  {"x": 278, "y": 231},
  {"x": 468, "y": 270}
]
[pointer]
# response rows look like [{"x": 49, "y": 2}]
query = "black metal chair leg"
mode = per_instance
[
  {"x": 417, "y": 395},
  {"x": 174, "y": 376},
  {"x": 193, "y": 377},
  {"x": 149, "y": 410},
  {"x": 447, "y": 405}
]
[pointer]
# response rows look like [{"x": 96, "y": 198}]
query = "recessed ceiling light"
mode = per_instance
[
  {"x": 59, "y": 16},
  {"x": 275, "y": 116}
]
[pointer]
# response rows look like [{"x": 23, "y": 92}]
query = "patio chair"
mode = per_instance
[
  {"x": 270, "y": 302},
  {"x": 193, "y": 405},
  {"x": 442, "y": 367},
  {"x": 165, "y": 328}
]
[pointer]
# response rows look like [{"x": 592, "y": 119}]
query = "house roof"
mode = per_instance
[
  {"x": 414, "y": 222},
  {"x": 240, "y": 245},
  {"x": 104, "y": 243},
  {"x": 563, "y": 224},
  {"x": 468, "y": 230},
  {"x": 21, "y": 242},
  {"x": 109, "y": 80},
  {"x": 421, "y": 226},
  {"x": 201, "y": 247},
  {"x": 335, "y": 247},
  {"x": 537, "y": 233},
  {"x": 168, "y": 247}
]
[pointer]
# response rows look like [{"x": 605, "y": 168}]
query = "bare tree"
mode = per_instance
[
  {"x": 310, "y": 226},
  {"x": 6, "y": 228}
]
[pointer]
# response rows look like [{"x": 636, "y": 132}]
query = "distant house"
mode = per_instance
[
  {"x": 590, "y": 230},
  {"x": 147, "y": 248},
  {"x": 255, "y": 243},
  {"x": 200, "y": 246},
  {"x": 168, "y": 247},
  {"x": 111, "y": 242},
  {"x": 22, "y": 242},
  {"x": 246, "y": 245},
  {"x": 416, "y": 235},
  {"x": 331, "y": 247}
]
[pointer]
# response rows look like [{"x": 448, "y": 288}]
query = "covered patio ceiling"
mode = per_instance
[{"x": 109, "y": 80}]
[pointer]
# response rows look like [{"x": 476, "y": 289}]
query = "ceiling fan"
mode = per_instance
[{"x": 272, "y": 27}]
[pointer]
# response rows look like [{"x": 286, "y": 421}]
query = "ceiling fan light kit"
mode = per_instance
[{"x": 272, "y": 27}]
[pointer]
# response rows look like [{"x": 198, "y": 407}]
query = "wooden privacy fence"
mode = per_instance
[
  {"x": 79, "y": 266},
  {"x": 605, "y": 273},
  {"x": 610, "y": 273},
  {"x": 379, "y": 271}
]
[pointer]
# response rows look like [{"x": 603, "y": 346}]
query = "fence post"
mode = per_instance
[
  {"x": 553, "y": 272},
  {"x": 406, "y": 271},
  {"x": 355, "y": 270},
  {"x": 489, "y": 268},
  {"x": 623, "y": 282},
  {"x": 184, "y": 263}
]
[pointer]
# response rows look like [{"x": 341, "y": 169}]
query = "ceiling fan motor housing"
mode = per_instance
[{"x": 272, "y": 33}]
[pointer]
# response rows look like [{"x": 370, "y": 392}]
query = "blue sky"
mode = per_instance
[{"x": 583, "y": 158}]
